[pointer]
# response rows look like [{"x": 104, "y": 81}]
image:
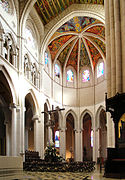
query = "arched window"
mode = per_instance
[
  {"x": 29, "y": 38},
  {"x": 70, "y": 76},
  {"x": 100, "y": 69},
  {"x": 46, "y": 59},
  {"x": 85, "y": 76},
  {"x": 5, "y": 5},
  {"x": 57, "y": 70}
]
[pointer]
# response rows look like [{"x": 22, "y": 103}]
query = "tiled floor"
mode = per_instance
[{"x": 95, "y": 175}]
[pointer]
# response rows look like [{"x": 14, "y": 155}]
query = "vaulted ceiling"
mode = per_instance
[
  {"x": 80, "y": 41},
  {"x": 48, "y": 9}
]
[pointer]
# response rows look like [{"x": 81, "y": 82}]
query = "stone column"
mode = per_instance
[
  {"x": 96, "y": 145},
  {"x": 118, "y": 46},
  {"x": 78, "y": 145},
  {"x": 112, "y": 39},
  {"x": 36, "y": 132},
  {"x": 62, "y": 133},
  {"x": 108, "y": 55},
  {"x": 13, "y": 130},
  {"x": 1, "y": 41},
  {"x": 18, "y": 119},
  {"x": 7, "y": 139},
  {"x": 122, "y": 11},
  {"x": 22, "y": 131}
]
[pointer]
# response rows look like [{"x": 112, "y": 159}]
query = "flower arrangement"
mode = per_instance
[{"x": 51, "y": 153}]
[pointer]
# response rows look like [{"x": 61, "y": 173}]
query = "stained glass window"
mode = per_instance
[
  {"x": 70, "y": 76},
  {"x": 29, "y": 38},
  {"x": 46, "y": 58},
  {"x": 85, "y": 76},
  {"x": 57, "y": 139},
  {"x": 5, "y": 5},
  {"x": 100, "y": 69},
  {"x": 91, "y": 138},
  {"x": 57, "y": 70}
]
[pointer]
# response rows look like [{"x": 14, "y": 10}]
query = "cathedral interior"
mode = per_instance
[{"x": 62, "y": 82}]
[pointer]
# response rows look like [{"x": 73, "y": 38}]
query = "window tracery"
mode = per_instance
[
  {"x": 30, "y": 71},
  {"x": 100, "y": 69},
  {"x": 85, "y": 76},
  {"x": 57, "y": 70},
  {"x": 70, "y": 76},
  {"x": 10, "y": 50}
]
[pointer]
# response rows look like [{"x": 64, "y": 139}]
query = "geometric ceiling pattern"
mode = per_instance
[
  {"x": 49, "y": 9},
  {"x": 79, "y": 42}
]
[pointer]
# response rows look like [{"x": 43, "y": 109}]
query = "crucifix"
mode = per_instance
[{"x": 51, "y": 120}]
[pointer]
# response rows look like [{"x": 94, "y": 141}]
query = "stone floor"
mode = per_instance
[{"x": 95, "y": 175}]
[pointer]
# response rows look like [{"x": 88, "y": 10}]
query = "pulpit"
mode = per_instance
[{"x": 115, "y": 163}]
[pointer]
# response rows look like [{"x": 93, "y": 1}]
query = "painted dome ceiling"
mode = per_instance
[{"x": 79, "y": 42}]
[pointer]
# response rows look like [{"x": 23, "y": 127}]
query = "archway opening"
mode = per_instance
[
  {"x": 29, "y": 123},
  {"x": 70, "y": 137},
  {"x": 2, "y": 134},
  {"x": 87, "y": 135},
  {"x": 103, "y": 135},
  {"x": 5, "y": 116}
]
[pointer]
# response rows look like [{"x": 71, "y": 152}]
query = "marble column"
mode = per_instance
[
  {"x": 36, "y": 132},
  {"x": 108, "y": 54},
  {"x": 13, "y": 130},
  {"x": 112, "y": 40},
  {"x": 7, "y": 139},
  {"x": 62, "y": 134},
  {"x": 97, "y": 145},
  {"x": 118, "y": 46},
  {"x": 78, "y": 145},
  {"x": 122, "y": 11},
  {"x": 22, "y": 131},
  {"x": 1, "y": 41}
]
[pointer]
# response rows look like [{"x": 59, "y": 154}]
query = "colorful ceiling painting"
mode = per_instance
[
  {"x": 77, "y": 24},
  {"x": 99, "y": 30},
  {"x": 82, "y": 47},
  {"x": 49, "y": 9},
  {"x": 84, "y": 58},
  {"x": 73, "y": 58},
  {"x": 64, "y": 53},
  {"x": 55, "y": 45},
  {"x": 95, "y": 54},
  {"x": 99, "y": 43}
]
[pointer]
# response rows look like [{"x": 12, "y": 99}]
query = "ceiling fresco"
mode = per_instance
[
  {"x": 79, "y": 42},
  {"x": 49, "y": 9}
]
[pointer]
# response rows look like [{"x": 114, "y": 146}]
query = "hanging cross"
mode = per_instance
[
  {"x": 51, "y": 113},
  {"x": 51, "y": 121}
]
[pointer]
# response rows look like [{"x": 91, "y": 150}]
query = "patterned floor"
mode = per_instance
[
  {"x": 54, "y": 176},
  {"x": 95, "y": 175}
]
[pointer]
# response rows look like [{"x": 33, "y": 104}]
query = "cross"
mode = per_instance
[{"x": 51, "y": 122}]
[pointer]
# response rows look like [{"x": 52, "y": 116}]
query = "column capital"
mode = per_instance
[
  {"x": 12, "y": 106},
  {"x": 63, "y": 129},
  {"x": 35, "y": 117},
  {"x": 78, "y": 130}
]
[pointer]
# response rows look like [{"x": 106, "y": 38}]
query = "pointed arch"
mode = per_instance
[
  {"x": 86, "y": 111},
  {"x": 97, "y": 116},
  {"x": 34, "y": 100},
  {"x": 10, "y": 83},
  {"x": 74, "y": 116}
]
